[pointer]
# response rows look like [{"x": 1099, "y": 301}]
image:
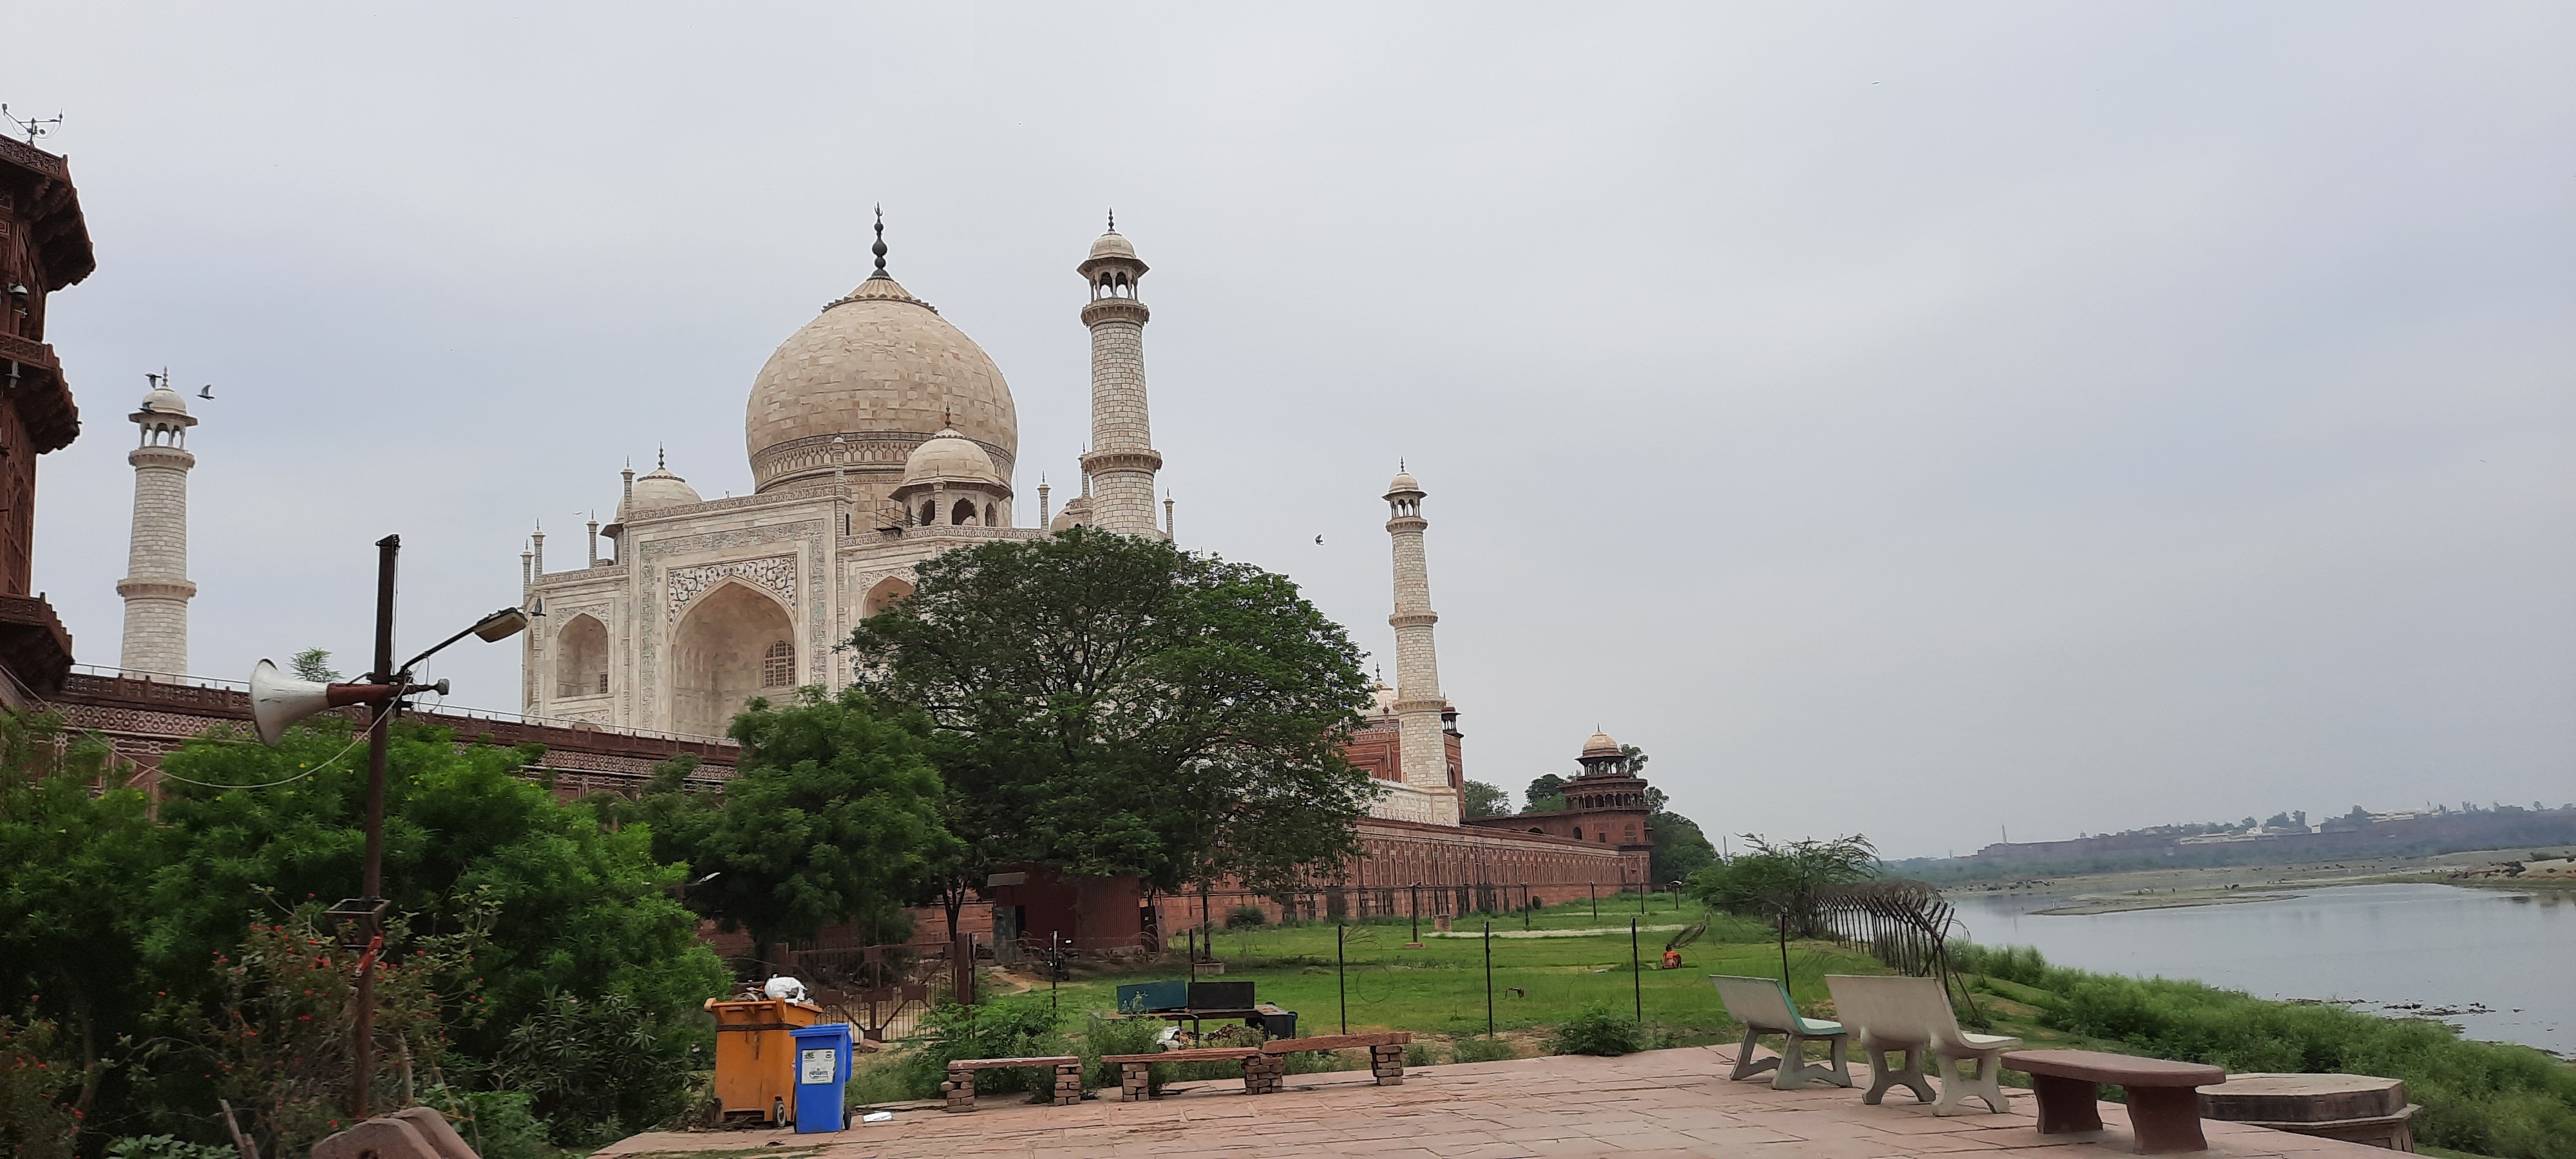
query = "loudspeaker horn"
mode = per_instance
[{"x": 278, "y": 700}]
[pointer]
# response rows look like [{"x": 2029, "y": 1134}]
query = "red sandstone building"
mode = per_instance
[{"x": 44, "y": 246}]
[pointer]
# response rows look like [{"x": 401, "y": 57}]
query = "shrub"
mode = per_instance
[
  {"x": 1481, "y": 1050},
  {"x": 597, "y": 1070},
  {"x": 1597, "y": 1031},
  {"x": 1014, "y": 1027},
  {"x": 2512, "y": 1102},
  {"x": 497, "y": 1124},
  {"x": 1244, "y": 916},
  {"x": 1417, "y": 1055},
  {"x": 35, "y": 1071},
  {"x": 165, "y": 1147},
  {"x": 1106, "y": 1036}
]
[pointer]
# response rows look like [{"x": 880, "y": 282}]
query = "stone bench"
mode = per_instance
[
  {"x": 2164, "y": 1097},
  {"x": 960, "y": 1087}
]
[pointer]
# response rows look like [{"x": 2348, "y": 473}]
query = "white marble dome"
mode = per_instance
[
  {"x": 881, "y": 370},
  {"x": 949, "y": 457},
  {"x": 658, "y": 491}
]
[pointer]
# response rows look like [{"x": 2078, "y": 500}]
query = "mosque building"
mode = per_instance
[{"x": 879, "y": 436}]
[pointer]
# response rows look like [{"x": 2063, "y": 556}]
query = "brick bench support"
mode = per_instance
[{"x": 959, "y": 1088}]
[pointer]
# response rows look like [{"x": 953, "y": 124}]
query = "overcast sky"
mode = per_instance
[{"x": 1912, "y": 420}]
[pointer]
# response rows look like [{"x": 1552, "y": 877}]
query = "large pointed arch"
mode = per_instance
[{"x": 725, "y": 652}]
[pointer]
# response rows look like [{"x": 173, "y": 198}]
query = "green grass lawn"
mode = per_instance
[{"x": 1536, "y": 982}]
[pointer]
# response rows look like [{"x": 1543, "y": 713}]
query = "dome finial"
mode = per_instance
[
  {"x": 879, "y": 249},
  {"x": 1113, "y": 219},
  {"x": 661, "y": 461}
]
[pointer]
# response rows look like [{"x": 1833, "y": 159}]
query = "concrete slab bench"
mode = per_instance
[
  {"x": 1386, "y": 1050},
  {"x": 1134, "y": 1070},
  {"x": 960, "y": 1087},
  {"x": 1265, "y": 1067},
  {"x": 2164, "y": 1096}
]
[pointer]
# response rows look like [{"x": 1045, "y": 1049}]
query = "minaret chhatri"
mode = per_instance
[
  {"x": 1121, "y": 463},
  {"x": 156, "y": 587},
  {"x": 1418, "y": 703}
]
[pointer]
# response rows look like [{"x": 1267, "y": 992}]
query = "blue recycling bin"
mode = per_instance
[{"x": 822, "y": 1072}]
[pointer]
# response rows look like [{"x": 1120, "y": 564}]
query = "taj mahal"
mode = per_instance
[{"x": 880, "y": 435}]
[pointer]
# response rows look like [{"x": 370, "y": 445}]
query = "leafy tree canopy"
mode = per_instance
[
  {"x": 581, "y": 909},
  {"x": 1549, "y": 785},
  {"x": 833, "y": 814},
  {"x": 1485, "y": 800},
  {"x": 1111, "y": 704},
  {"x": 314, "y": 664}
]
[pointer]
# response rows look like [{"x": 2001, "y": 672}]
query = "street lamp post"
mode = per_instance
[{"x": 383, "y": 690}]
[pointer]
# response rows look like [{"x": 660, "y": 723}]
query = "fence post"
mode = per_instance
[
  {"x": 1637, "y": 970},
  {"x": 1489, "y": 980},
  {"x": 1595, "y": 887},
  {"x": 1341, "y": 986}
]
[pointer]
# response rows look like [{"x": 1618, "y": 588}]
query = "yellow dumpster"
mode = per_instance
[{"x": 755, "y": 1057}]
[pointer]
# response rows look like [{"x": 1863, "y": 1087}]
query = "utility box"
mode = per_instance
[
  {"x": 1206, "y": 996},
  {"x": 756, "y": 1057},
  {"x": 822, "y": 1073}
]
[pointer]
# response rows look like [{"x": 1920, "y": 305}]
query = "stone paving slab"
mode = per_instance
[{"x": 1660, "y": 1103}]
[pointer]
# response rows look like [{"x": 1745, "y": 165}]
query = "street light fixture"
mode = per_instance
[{"x": 277, "y": 702}]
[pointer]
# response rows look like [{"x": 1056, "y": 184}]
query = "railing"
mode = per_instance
[{"x": 216, "y": 693}]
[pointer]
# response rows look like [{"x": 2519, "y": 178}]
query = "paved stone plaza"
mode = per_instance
[{"x": 1664, "y": 1103}]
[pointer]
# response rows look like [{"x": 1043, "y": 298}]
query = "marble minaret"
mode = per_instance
[
  {"x": 1418, "y": 702},
  {"x": 156, "y": 587},
  {"x": 1122, "y": 461}
]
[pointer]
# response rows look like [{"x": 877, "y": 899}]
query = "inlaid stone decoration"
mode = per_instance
[{"x": 775, "y": 574}]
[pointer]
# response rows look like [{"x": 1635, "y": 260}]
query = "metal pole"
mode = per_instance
[
  {"x": 379, "y": 736},
  {"x": 1637, "y": 969},
  {"x": 1341, "y": 987},
  {"x": 1489, "y": 979},
  {"x": 1595, "y": 887}
]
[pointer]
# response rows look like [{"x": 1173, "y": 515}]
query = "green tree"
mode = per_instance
[
  {"x": 314, "y": 664},
  {"x": 1785, "y": 882},
  {"x": 1485, "y": 800},
  {"x": 1549, "y": 786},
  {"x": 77, "y": 846},
  {"x": 1111, "y": 704},
  {"x": 1681, "y": 848},
  {"x": 577, "y": 908},
  {"x": 834, "y": 813}
]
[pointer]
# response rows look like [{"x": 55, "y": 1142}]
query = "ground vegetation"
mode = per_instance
[
  {"x": 155, "y": 950},
  {"x": 2494, "y": 1099}
]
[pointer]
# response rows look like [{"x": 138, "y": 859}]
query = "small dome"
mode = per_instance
[
  {"x": 1076, "y": 513},
  {"x": 1111, "y": 245},
  {"x": 1403, "y": 482},
  {"x": 1601, "y": 746},
  {"x": 657, "y": 491},
  {"x": 1384, "y": 698},
  {"x": 163, "y": 400},
  {"x": 949, "y": 456}
]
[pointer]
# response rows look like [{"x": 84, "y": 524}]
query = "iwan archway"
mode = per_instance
[{"x": 735, "y": 643}]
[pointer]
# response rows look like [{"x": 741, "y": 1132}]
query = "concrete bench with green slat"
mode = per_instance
[{"x": 1763, "y": 1006}]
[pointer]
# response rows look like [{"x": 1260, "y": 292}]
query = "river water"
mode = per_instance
[{"x": 2449, "y": 949}]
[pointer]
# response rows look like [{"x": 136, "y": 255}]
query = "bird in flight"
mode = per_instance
[
  {"x": 1319, "y": 539},
  {"x": 206, "y": 391}
]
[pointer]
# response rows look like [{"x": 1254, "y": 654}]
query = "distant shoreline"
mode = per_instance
[{"x": 2172, "y": 899}]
